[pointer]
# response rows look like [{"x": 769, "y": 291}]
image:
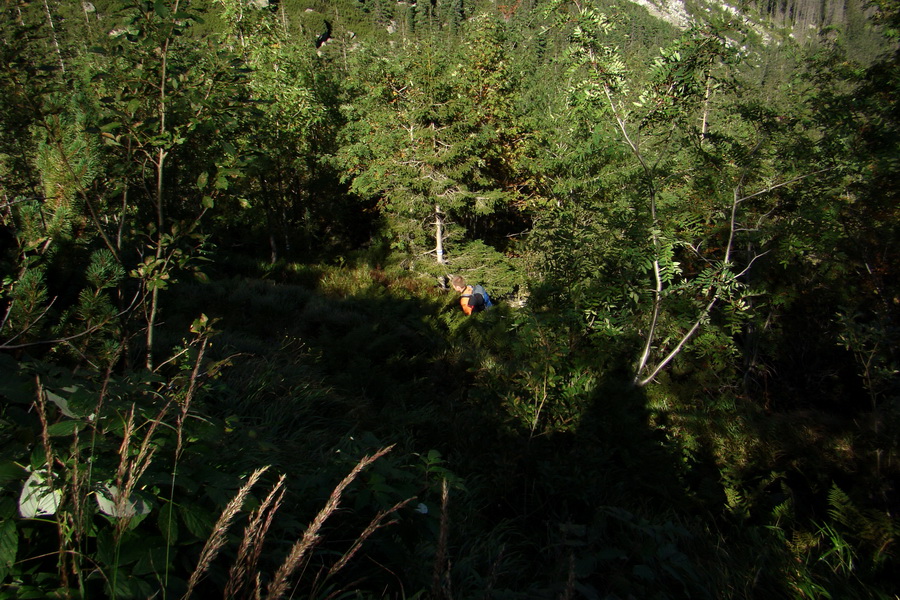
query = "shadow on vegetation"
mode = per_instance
[
  {"x": 326, "y": 363},
  {"x": 802, "y": 496},
  {"x": 603, "y": 491}
]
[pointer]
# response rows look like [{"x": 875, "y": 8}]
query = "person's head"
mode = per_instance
[{"x": 458, "y": 283}]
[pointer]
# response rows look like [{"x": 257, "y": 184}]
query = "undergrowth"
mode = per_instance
[{"x": 521, "y": 464}]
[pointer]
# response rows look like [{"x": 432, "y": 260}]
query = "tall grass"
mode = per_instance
[
  {"x": 217, "y": 539},
  {"x": 294, "y": 560}
]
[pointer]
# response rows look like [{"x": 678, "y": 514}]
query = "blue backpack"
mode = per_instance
[{"x": 479, "y": 299}]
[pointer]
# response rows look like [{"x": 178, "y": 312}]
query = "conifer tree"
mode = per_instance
[{"x": 435, "y": 139}]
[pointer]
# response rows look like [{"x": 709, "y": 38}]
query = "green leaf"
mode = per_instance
[
  {"x": 197, "y": 520},
  {"x": 13, "y": 387},
  {"x": 62, "y": 403},
  {"x": 63, "y": 428},
  {"x": 37, "y": 498},
  {"x": 433, "y": 457},
  {"x": 127, "y": 550},
  {"x": 10, "y": 471},
  {"x": 168, "y": 524},
  {"x": 154, "y": 558},
  {"x": 9, "y": 545},
  {"x": 133, "y": 506},
  {"x": 127, "y": 586},
  {"x": 161, "y": 9},
  {"x": 202, "y": 180}
]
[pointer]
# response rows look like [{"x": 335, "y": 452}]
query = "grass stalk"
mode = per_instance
[
  {"x": 251, "y": 545},
  {"x": 49, "y": 458},
  {"x": 278, "y": 586},
  {"x": 440, "y": 583},
  {"x": 376, "y": 524},
  {"x": 492, "y": 577},
  {"x": 569, "y": 591},
  {"x": 119, "y": 502},
  {"x": 217, "y": 537},
  {"x": 80, "y": 490},
  {"x": 139, "y": 465},
  {"x": 179, "y": 447}
]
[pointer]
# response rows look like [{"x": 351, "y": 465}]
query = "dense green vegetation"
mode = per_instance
[{"x": 231, "y": 365}]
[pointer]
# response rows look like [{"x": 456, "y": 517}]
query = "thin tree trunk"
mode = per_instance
[
  {"x": 270, "y": 223},
  {"x": 62, "y": 65},
  {"x": 657, "y": 275},
  {"x": 439, "y": 235},
  {"x": 284, "y": 19},
  {"x": 154, "y": 294},
  {"x": 704, "y": 127},
  {"x": 160, "y": 212}
]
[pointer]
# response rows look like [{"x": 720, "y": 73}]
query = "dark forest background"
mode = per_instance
[{"x": 231, "y": 364}]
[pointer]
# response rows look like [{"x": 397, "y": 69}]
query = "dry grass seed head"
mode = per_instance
[
  {"x": 217, "y": 537},
  {"x": 249, "y": 552},
  {"x": 295, "y": 558}
]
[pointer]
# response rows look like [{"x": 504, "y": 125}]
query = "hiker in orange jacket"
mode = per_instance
[{"x": 468, "y": 300}]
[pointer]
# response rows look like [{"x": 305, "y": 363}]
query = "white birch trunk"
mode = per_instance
[{"x": 438, "y": 235}]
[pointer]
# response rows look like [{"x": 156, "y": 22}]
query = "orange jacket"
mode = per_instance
[{"x": 464, "y": 300}]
